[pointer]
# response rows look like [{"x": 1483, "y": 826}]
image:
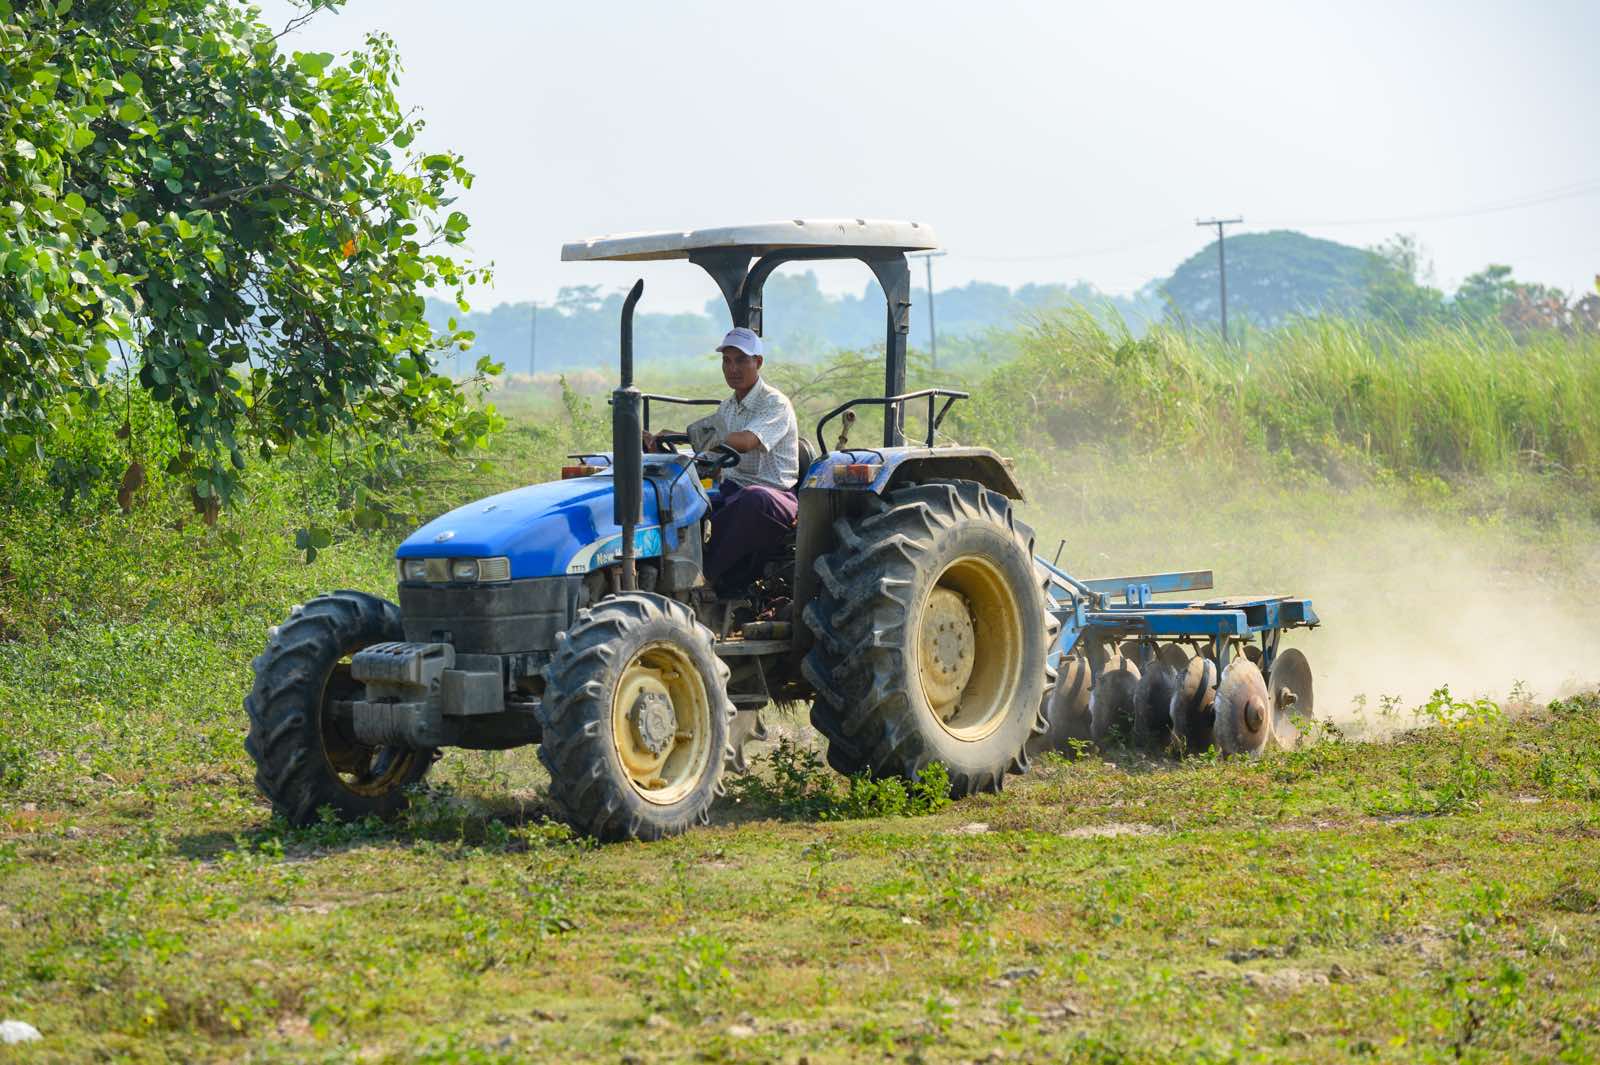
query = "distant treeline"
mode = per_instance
[
  {"x": 802, "y": 322},
  {"x": 1273, "y": 278}
]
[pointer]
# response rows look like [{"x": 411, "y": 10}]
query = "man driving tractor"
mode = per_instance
[{"x": 757, "y": 503}]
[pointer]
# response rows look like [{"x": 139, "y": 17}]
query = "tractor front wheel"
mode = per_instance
[
  {"x": 306, "y": 758},
  {"x": 637, "y": 721},
  {"x": 931, "y": 635}
]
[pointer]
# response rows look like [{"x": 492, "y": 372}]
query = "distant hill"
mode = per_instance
[{"x": 1272, "y": 276}]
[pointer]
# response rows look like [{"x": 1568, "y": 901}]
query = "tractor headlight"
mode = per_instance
[
  {"x": 494, "y": 569},
  {"x": 455, "y": 570}
]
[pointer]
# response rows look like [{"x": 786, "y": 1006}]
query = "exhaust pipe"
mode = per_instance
[{"x": 627, "y": 453}]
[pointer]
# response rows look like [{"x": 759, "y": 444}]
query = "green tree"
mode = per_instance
[
  {"x": 250, "y": 230},
  {"x": 1271, "y": 277},
  {"x": 1480, "y": 296},
  {"x": 1397, "y": 288}
]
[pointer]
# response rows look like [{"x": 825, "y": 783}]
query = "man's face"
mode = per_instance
[{"x": 741, "y": 371}]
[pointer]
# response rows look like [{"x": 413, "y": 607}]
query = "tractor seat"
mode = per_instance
[{"x": 807, "y": 457}]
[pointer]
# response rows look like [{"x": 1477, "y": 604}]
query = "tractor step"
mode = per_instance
[{"x": 745, "y": 648}]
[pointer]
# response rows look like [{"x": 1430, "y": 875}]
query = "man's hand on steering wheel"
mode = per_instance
[{"x": 665, "y": 442}]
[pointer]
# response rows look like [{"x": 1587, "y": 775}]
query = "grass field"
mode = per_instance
[
  {"x": 1428, "y": 899},
  {"x": 1422, "y": 884}
]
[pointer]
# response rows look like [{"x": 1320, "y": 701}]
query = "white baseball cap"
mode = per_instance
[{"x": 744, "y": 339}]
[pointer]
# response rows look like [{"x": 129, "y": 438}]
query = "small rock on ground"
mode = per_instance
[
  {"x": 1114, "y": 828},
  {"x": 18, "y": 1032},
  {"x": 1012, "y": 976},
  {"x": 1062, "y": 1012},
  {"x": 1283, "y": 981}
]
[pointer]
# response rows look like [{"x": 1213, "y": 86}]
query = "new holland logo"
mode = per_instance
[{"x": 646, "y": 544}]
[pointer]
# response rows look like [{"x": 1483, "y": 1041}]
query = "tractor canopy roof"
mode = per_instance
[
  {"x": 850, "y": 236},
  {"x": 726, "y": 253}
]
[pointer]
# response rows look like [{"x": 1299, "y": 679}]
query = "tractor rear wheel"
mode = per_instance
[
  {"x": 306, "y": 758},
  {"x": 931, "y": 635},
  {"x": 637, "y": 721}
]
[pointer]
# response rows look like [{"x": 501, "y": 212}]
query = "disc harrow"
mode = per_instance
[{"x": 1179, "y": 676}]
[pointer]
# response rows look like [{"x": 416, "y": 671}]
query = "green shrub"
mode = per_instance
[{"x": 801, "y": 787}]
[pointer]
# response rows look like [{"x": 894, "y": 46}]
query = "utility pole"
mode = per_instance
[
  {"x": 927, "y": 258},
  {"x": 1222, "y": 265},
  {"x": 533, "y": 339}
]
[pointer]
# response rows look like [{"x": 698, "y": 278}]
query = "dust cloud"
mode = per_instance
[
  {"x": 1411, "y": 599},
  {"x": 1410, "y": 605}
]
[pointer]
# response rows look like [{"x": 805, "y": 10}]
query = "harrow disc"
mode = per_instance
[
  {"x": 1193, "y": 705},
  {"x": 1152, "y": 707},
  {"x": 1244, "y": 717},
  {"x": 1066, "y": 709},
  {"x": 1290, "y": 696},
  {"x": 1174, "y": 655},
  {"x": 747, "y": 728},
  {"x": 1111, "y": 700}
]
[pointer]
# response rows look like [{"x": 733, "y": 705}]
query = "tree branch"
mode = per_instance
[
  {"x": 266, "y": 186},
  {"x": 295, "y": 23}
]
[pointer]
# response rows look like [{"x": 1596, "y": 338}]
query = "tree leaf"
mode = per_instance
[{"x": 313, "y": 63}]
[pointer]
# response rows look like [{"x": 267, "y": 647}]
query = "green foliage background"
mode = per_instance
[{"x": 245, "y": 231}]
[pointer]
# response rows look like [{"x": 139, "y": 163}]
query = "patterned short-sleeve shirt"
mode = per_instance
[{"x": 767, "y": 413}]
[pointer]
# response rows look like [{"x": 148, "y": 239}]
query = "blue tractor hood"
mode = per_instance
[{"x": 554, "y": 528}]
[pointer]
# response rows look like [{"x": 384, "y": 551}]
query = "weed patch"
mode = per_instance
[
  {"x": 1467, "y": 776},
  {"x": 691, "y": 977},
  {"x": 802, "y": 788}
]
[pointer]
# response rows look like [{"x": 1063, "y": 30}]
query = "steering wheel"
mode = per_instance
[
  {"x": 667, "y": 443},
  {"x": 716, "y": 459}
]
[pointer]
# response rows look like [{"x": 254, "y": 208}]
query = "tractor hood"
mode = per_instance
[
  {"x": 542, "y": 529},
  {"x": 555, "y": 528}
]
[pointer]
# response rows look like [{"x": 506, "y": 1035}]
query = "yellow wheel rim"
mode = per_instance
[
  {"x": 969, "y": 648},
  {"x": 661, "y": 724},
  {"x": 362, "y": 770}
]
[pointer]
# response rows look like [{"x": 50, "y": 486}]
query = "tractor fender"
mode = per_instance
[
  {"x": 828, "y": 493},
  {"x": 887, "y": 468}
]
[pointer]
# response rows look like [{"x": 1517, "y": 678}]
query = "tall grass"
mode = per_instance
[{"x": 1446, "y": 400}]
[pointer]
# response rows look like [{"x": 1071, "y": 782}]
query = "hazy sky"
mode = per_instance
[{"x": 1044, "y": 141}]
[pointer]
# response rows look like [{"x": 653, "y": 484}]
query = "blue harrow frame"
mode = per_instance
[{"x": 1108, "y": 611}]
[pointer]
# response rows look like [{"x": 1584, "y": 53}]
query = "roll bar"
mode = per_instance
[{"x": 898, "y": 403}]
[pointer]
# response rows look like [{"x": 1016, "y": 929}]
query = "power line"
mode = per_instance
[
  {"x": 1085, "y": 253},
  {"x": 1515, "y": 203},
  {"x": 1574, "y": 190}
]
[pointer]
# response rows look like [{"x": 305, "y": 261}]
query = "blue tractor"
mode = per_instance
[{"x": 907, "y": 607}]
